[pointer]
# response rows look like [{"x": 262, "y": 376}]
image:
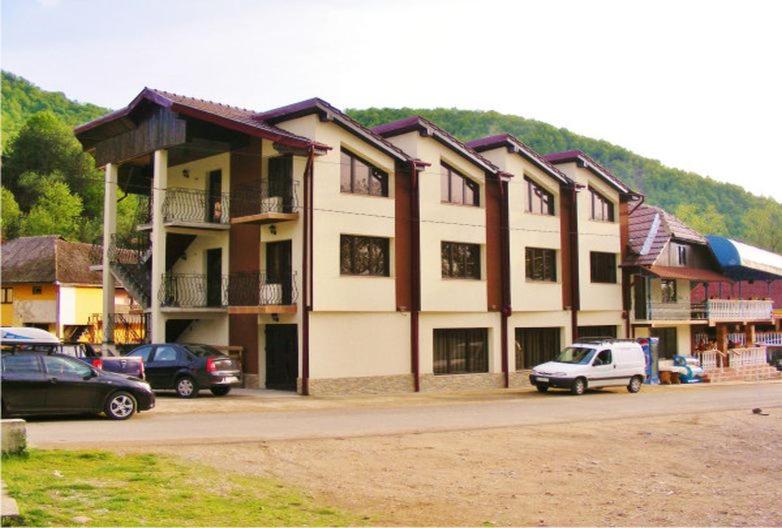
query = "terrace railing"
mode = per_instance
[
  {"x": 670, "y": 312},
  {"x": 739, "y": 310},
  {"x": 262, "y": 289},
  {"x": 270, "y": 196},
  {"x": 196, "y": 206},
  {"x": 193, "y": 290}
]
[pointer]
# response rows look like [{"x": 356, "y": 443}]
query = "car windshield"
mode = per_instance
[
  {"x": 203, "y": 350},
  {"x": 575, "y": 355}
]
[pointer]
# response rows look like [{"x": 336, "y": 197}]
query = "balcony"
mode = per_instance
[
  {"x": 262, "y": 293},
  {"x": 683, "y": 312},
  {"x": 189, "y": 208},
  {"x": 193, "y": 292},
  {"x": 739, "y": 310},
  {"x": 270, "y": 202}
]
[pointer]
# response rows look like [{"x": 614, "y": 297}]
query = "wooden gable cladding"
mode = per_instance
[
  {"x": 494, "y": 242},
  {"x": 158, "y": 128}
]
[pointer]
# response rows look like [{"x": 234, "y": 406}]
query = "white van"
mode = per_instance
[{"x": 592, "y": 363}]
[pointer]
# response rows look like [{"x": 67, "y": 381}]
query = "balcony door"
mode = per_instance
[
  {"x": 278, "y": 272},
  {"x": 281, "y": 184},
  {"x": 214, "y": 202},
  {"x": 214, "y": 277}
]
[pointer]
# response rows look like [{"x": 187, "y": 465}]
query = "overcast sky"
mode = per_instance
[{"x": 697, "y": 85}]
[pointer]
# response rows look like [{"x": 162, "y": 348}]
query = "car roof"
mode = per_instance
[{"x": 27, "y": 335}]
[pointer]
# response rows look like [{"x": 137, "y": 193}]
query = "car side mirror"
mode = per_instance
[{"x": 92, "y": 374}]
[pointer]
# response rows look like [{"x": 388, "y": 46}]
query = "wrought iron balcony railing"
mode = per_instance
[
  {"x": 271, "y": 196},
  {"x": 262, "y": 289},
  {"x": 195, "y": 206},
  {"x": 192, "y": 290}
]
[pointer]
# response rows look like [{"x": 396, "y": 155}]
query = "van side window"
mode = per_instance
[{"x": 603, "y": 358}]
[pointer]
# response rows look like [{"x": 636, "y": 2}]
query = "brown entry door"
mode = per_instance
[
  {"x": 282, "y": 357},
  {"x": 278, "y": 271}
]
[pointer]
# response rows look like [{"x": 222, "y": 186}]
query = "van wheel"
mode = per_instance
[
  {"x": 579, "y": 387},
  {"x": 635, "y": 384},
  {"x": 186, "y": 387},
  {"x": 220, "y": 390},
  {"x": 541, "y": 387}
]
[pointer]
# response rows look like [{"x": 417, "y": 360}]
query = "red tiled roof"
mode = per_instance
[
  {"x": 428, "y": 128},
  {"x": 518, "y": 146},
  {"x": 650, "y": 229},
  {"x": 47, "y": 259},
  {"x": 568, "y": 156}
]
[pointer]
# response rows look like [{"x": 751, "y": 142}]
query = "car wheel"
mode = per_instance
[
  {"x": 578, "y": 387},
  {"x": 635, "y": 384},
  {"x": 541, "y": 387},
  {"x": 220, "y": 390},
  {"x": 186, "y": 387},
  {"x": 120, "y": 406}
]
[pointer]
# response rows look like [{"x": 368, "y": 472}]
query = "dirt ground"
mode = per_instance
[{"x": 707, "y": 469}]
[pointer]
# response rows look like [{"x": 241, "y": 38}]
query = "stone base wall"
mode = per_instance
[
  {"x": 251, "y": 381},
  {"x": 361, "y": 385},
  {"x": 519, "y": 379},
  {"x": 461, "y": 382}
]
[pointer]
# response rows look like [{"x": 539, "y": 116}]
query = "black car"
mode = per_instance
[
  {"x": 47, "y": 383},
  {"x": 188, "y": 368}
]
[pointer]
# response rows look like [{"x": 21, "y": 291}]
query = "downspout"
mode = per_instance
[
  {"x": 306, "y": 265},
  {"x": 415, "y": 276},
  {"x": 574, "y": 280},
  {"x": 505, "y": 278}
]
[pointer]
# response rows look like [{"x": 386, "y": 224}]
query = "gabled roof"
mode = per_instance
[
  {"x": 330, "y": 113},
  {"x": 516, "y": 146},
  {"x": 47, "y": 259},
  {"x": 427, "y": 128},
  {"x": 650, "y": 229},
  {"x": 230, "y": 117},
  {"x": 587, "y": 162}
]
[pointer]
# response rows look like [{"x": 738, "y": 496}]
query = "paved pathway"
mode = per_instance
[{"x": 529, "y": 408}]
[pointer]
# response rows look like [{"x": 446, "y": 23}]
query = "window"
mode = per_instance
[
  {"x": 596, "y": 331},
  {"x": 37, "y": 290},
  {"x": 603, "y": 358},
  {"x": 21, "y": 364},
  {"x": 535, "y": 346},
  {"x": 602, "y": 208},
  {"x": 681, "y": 253},
  {"x": 359, "y": 177},
  {"x": 541, "y": 264},
  {"x": 461, "y": 350},
  {"x": 8, "y": 296},
  {"x": 539, "y": 200},
  {"x": 456, "y": 188},
  {"x": 361, "y": 255},
  {"x": 603, "y": 267},
  {"x": 165, "y": 353},
  {"x": 668, "y": 287},
  {"x": 666, "y": 347},
  {"x": 61, "y": 366},
  {"x": 461, "y": 261},
  {"x": 142, "y": 352}
]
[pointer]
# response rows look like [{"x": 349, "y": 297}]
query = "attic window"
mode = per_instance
[
  {"x": 456, "y": 188},
  {"x": 602, "y": 207},
  {"x": 539, "y": 200},
  {"x": 681, "y": 254}
]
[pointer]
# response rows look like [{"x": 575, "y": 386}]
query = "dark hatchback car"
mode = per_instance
[
  {"x": 188, "y": 368},
  {"x": 47, "y": 384}
]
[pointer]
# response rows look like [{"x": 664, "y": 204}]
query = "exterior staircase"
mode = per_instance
[{"x": 743, "y": 373}]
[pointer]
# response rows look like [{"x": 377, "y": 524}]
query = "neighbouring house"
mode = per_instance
[
  {"x": 47, "y": 283},
  {"x": 343, "y": 259}
]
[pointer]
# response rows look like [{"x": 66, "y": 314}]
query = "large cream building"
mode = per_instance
[{"x": 342, "y": 259}]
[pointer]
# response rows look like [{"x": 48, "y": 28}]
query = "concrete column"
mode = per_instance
[
  {"x": 158, "y": 240},
  {"x": 109, "y": 229}
]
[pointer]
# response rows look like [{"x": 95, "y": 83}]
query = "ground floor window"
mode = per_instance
[
  {"x": 535, "y": 346},
  {"x": 461, "y": 350},
  {"x": 667, "y": 346},
  {"x": 597, "y": 331}
]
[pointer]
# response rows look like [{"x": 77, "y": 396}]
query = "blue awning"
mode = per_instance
[{"x": 741, "y": 261}]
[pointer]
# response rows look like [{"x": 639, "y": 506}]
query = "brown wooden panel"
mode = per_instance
[
  {"x": 493, "y": 244},
  {"x": 403, "y": 238},
  {"x": 565, "y": 225},
  {"x": 243, "y": 331},
  {"x": 624, "y": 227},
  {"x": 159, "y": 129}
]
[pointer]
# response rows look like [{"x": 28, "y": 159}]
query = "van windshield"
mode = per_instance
[{"x": 575, "y": 355}]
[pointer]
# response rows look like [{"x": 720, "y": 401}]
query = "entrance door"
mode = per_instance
[
  {"x": 278, "y": 272},
  {"x": 214, "y": 201},
  {"x": 214, "y": 277},
  {"x": 282, "y": 357}
]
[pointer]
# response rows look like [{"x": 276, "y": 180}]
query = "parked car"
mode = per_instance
[
  {"x": 188, "y": 368},
  {"x": 592, "y": 363},
  {"x": 43, "y": 382},
  {"x": 21, "y": 339}
]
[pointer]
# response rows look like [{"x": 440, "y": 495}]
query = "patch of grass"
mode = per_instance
[{"x": 54, "y": 487}]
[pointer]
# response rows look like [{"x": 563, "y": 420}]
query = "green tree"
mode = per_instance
[
  {"x": 57, "y": 211},
  {"x": 10, "y": 213},
  {"x": 763, "y": 227},
  {"x": 705, "y": 220}
]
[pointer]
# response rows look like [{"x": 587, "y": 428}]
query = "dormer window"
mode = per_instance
[
  {"x": 602, "y": 207},
  {"x": 456, "y": 188},
  {"x": 360, "y": 177},
  {"x": 539, "y": 200}
]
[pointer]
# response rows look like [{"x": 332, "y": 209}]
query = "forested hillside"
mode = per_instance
[
  {"x": 51, "y": 186},
  {"x": 711, "y": 206}
]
